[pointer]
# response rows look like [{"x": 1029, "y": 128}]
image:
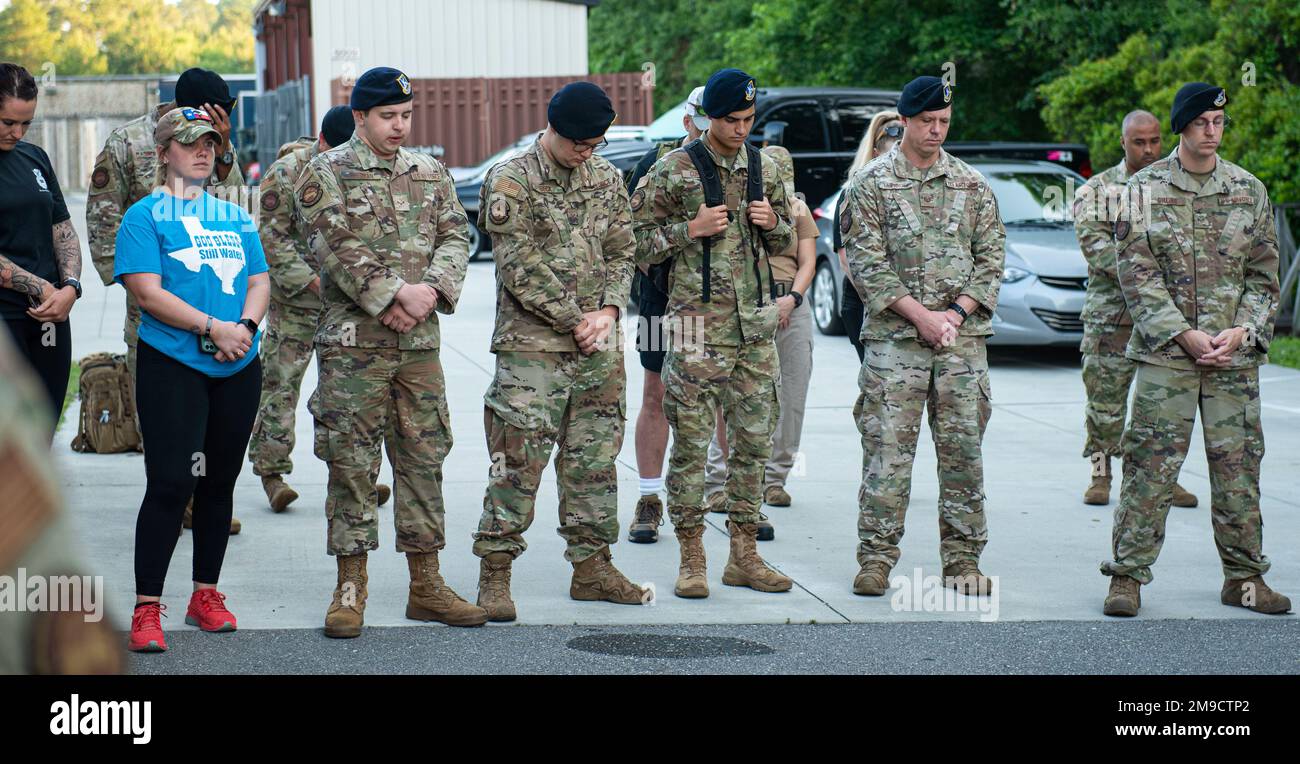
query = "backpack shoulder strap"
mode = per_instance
[
  {"x": 708, "y": 171},
  {"x": 754, "y": 179}
]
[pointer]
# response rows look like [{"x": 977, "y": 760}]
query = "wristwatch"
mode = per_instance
[
  {"x": 250, "y": 325},
  {"x": 227, "y": 158},
  {"x": 76, "y": 285},
  {"x": 958, "y": 309},
  {"x": 798, "y": 298}
]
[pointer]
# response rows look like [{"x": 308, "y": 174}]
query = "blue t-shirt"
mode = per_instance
[{"x": 205, "y": 249}]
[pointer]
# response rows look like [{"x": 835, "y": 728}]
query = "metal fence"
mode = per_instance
[{"x": 283, "y": 115}]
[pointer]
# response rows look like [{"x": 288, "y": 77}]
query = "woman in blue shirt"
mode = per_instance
[{"x": 195, "y": 265}]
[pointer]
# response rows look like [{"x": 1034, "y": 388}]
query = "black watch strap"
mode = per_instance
[
  {"x": 76, "y": 286},
  {"x": 953, "y": 306},
  {"x": 798, "y": 298},
  {"x": 250, "y": 325}
]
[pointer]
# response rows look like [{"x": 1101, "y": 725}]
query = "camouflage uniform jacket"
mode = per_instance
[
  {"x": 740, "y": 309},
  {"x": 374, "y": 225},
  {"x": 933, "y": 234},
  {"x": 1095, "y": 211},
  {"x": 561, "y": 250},
  {"x": 1203, "y": 258},
  {"x": 284, "y": 238},
  {"x": 126, "y": 172}
]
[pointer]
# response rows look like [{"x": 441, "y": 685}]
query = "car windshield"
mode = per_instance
[
  {"x": 1032, "y": 197},
  {"x": 668, "y": 126}
]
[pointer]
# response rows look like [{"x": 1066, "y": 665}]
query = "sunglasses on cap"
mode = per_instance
[{"x": 892, "y": 131}]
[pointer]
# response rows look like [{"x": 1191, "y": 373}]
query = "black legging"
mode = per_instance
[
  {"x": 183, "y": 414},
  {"x": 851, "y": 314},
  {"x": 49, "y": 353}
]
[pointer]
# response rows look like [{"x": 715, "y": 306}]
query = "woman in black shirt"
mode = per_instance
[{"x": 40, "y": 255}]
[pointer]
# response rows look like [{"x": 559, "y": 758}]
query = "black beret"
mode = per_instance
[
  {"x": 1194, "y": 99},
  {"x": 580, "y": 110},
  {"x": 924, "y": 94},
  {"x": 381, "y": 86},
  {"x": 196, "y": 87},
  {"x": 337, "y": 126},
  {"x": 727, "y": 91}
]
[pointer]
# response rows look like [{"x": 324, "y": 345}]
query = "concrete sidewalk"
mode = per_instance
[{"x": 1045, "y": 544}]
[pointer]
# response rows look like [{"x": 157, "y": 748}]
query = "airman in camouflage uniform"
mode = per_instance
[
  {"x": 37, "y": 539},
  {"x": 1107, "y": 325},
  {"x": 925, "y": 248},
  {"x": 562, "y": 238},
  {"x": 126, "y": 171},
  {"x": 720, "y": 352},
  {"x": 295, "y": 306},
  {"x": 392, "y": 239},
  {"x": 1198, "y": 263}
]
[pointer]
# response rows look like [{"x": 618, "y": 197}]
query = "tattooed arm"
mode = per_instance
[
  {"x": 67, "y": 250},
  {"x": 12, "y": 277}
]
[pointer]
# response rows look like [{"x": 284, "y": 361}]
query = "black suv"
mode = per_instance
[{"x": 821, "y": 127}]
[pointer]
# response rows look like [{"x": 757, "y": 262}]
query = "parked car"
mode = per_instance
[
  {"x": 1044, "y": 278},
  {"x": 820, "y": 126},
  {"x": 622, "y": 152}
]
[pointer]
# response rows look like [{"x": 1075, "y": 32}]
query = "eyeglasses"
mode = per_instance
[
  {"x": 582, "y": 147},
  {"x": 1200, "y": 123}
]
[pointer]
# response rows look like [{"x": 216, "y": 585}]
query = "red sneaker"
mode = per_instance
[
  {"x": 208, "y": 611},
  {"x": 146, "y": 628}
]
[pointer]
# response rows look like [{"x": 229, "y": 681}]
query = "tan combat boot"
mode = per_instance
[
  {"x": 776, "y": 496},
  {"x": 347, "y": 610},
  {"x": 384, "y": 492},
  {"x": 872, "y": 580},
  {"x": 494, "y": 586},
  {"x": 745, "y": 567},
  {"x": 596, "y": 579},
  {"x": 1125, "y": 597},
  {"x": 966, "y": 578},
  {"x": 1098, "y": 493},
  {"x": 645, "y": 523},
  {"x": 278, "y": 493},
  {"x": 1183, "y": 497},
  {"x": 692, "y": 578},
  {"x": 187, "y": 520},
  {"x": 1252, "y": 593},
  {"x": 432, "y": 600}
]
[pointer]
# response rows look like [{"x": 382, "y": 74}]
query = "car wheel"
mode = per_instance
[
  {"x": 826, "y": 301},
  {"x": 476, "y": 242}
]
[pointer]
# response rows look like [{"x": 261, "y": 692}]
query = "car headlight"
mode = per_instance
[{"x": 1011, "y": 275}]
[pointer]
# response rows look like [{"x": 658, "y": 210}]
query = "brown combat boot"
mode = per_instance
[
  {"x": 347, "y": 611},
  {"x": 1253, "y": 594},
  {"x": 278, "y": 493},
  {"x": 432, "y": 600},
  {"x": 1098, "y": 493},
  {"x": 776, "y": 496},
  {"x": 596, "y": 579},
  {"x": 966, "y": 578},
  {"x": 645, "y": 523},
  {"x": 872, "y": 580},
  {"x": 1125, "y": 597},
  {"x": 1183, "y": 497},
  {"x": 745, "y": 567},
  {"x": 187, "y": 520},
  {"x": 384, "y": 492},
  {"x": 494, "y": 586},
  {"x": 716, "y": 502},
  {"x": 692, "y": 577}
]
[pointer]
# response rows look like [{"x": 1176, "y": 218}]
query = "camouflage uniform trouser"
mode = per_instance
[
  {"x": 1155, "y": 445},
  {"x": 743, "y": 381},
  {"x": 131, "y": 330},
  {"x": 1107, "y": 376},
  {"x": 286, "y": 351},
  {"x": 898, "y": 379},
  {"x": 372, "y": 396},
  {"x": 538, "y": 401}
]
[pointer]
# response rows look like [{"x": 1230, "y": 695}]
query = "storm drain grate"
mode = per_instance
[{"x": 668, "y": 646}]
